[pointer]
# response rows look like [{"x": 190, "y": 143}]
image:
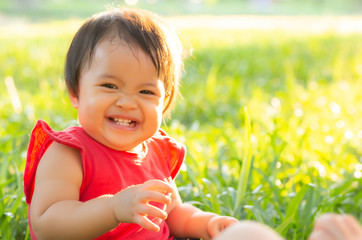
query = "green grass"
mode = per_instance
[{"x": 271, "y": 122}]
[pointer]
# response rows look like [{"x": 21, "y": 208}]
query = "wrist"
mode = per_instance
[{"x": 113, "y": 200}]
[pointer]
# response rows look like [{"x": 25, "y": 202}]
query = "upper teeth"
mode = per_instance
[{"x": 122, "y": 121}]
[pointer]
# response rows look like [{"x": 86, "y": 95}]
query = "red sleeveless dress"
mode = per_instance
[{"x": 107, "y": 171}]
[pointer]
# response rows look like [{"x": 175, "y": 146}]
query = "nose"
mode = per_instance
[{"x": 126, "y": 101}]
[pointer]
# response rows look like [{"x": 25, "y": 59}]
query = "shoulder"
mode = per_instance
[
  {"x": 48, "y": 153},
  {"x": 58, "y": 177},
  {"x": 58, "y": 150},
  {"x": 60, "y": 155},
  {"x": 60, "y": 163}
]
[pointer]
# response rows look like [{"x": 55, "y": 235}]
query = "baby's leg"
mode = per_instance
[{"x": 248, "y": 230}]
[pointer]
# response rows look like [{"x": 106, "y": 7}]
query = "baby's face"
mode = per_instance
[{"x": 120, "y": 98}]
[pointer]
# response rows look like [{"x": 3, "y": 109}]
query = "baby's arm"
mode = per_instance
[
  {"x": 185, "y": 220},
  {"x": 56, "y": 211},
  {"x": 333, "y": 227}
]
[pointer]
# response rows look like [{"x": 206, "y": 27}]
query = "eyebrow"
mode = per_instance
[{"x": 107, "y": 75}]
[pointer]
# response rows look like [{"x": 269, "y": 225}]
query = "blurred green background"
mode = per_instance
[{"x": 60, "y": 9}]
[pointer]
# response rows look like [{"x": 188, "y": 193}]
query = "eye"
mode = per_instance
[
  {"x": 109, "y": 85},
  {"x": 147, "y": 92}
]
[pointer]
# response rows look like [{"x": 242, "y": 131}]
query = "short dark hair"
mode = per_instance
[{"x": 139, "y": 28}]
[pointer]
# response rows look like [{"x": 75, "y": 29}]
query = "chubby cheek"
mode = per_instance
[
  {"x": 90, "y": 109},
  {"x": 92, "y": 102}
]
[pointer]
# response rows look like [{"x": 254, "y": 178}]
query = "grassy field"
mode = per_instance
[{"x": 271, "y": 121}]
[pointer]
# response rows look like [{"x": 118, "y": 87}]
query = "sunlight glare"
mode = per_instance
[
  {"x": 301, "y": 131},
  {"x": 321, "y": 101},
  {"x": 359, "y": 134},
  {"x": 334, "y": 177},
  {"x": 275, "y": 102},
  {"x": 348, "y": 134},
  {"x": 344, "y": 86},
  {"x": 358, "y": 167},
  {"x": 298, "y": 112},
  {"x": 253, "y": 139},
  {"x": 329, "y": 139},
  {"x": 196, "y": 1},
  {"x": 325, "y": 128},
  {"x": 351, "y": 109},
  {"x": 225, "y": 169},
  {"x": 314, "y": 126},
  {"x": 320, "y": 168},
  {"x": 14, "y": 96},
  {"x": 131, "y": 2},
  {"x": 335, "y": 108},
  {"x": 340, "y": 124},
  {"x": 271, "y": 111},
  {"x": 313, "y": 85},
  {"x": 183, "y": 167}
]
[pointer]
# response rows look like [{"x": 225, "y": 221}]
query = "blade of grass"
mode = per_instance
[
  {"x": 213, "y": 195},
  {"x": 245, "y": 168},
  {"x": 293, "y": 209},
  {"x": 294, "y": 204},
  {"x": 282, "y": 227}
]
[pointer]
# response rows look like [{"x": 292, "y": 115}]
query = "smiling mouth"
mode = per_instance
[{"x": 123, "y": 122}]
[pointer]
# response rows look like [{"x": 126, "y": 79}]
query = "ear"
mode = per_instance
[{"x": 73, "y": 99}]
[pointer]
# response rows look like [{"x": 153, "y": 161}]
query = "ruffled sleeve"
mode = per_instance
[
  {"x": 41, "y": 138},
  {"x": 176, "y": 152}
]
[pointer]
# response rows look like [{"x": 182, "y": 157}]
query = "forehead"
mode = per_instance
[
  {"x": 115, "y": 57},
  {"x": 109, "y": 46}
]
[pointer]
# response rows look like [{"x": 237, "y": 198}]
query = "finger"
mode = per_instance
[
  {"x": 146, "y": 223},
  {"x": 230, "y": 221},
  {"x": 158, "y": 185},
  {"x": 214, "y": 228},
  {"x": 153, "y": 211},
  {"x": 148, "y": 196}
]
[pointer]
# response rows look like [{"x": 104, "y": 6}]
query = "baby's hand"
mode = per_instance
[
  {"x": 217, "y": 224},
  {"x": 131, "y": 204},
  {"x": 335, "y": 227}
]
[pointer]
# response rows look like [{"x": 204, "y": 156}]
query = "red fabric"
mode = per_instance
[{"x": 107, "y": 171}]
